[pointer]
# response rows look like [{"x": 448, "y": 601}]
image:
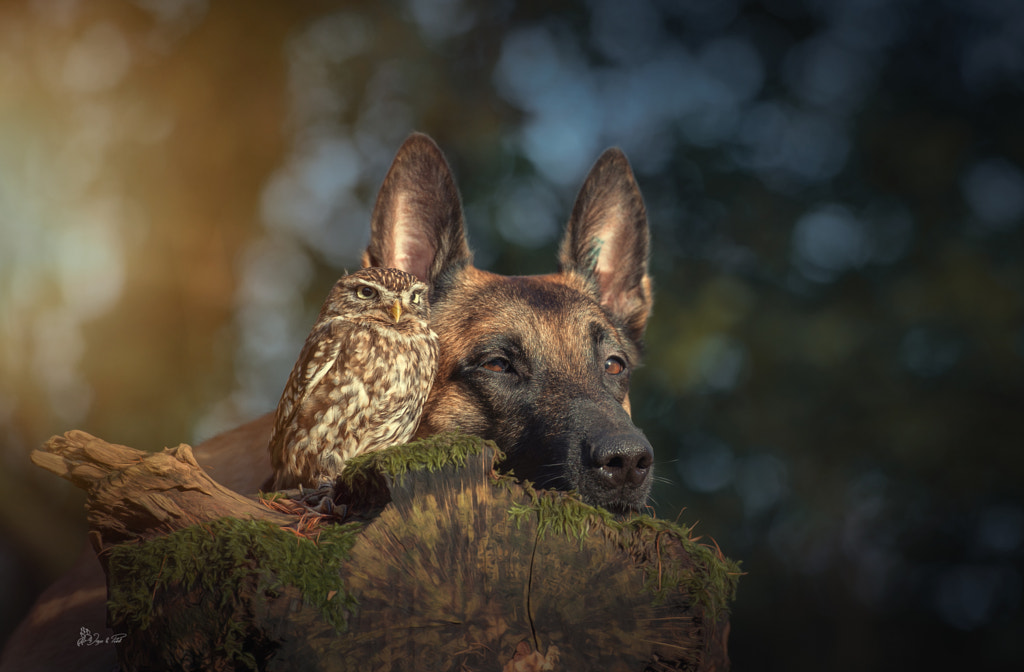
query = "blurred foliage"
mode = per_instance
[{"x": 835, "y": 366}]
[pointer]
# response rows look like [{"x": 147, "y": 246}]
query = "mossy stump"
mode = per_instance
[{"x": 440, "y": 564}]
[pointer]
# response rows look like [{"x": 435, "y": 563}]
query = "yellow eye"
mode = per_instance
[
  {"x": 366, "y": 292},
  {"x": 415, "y": 300}
]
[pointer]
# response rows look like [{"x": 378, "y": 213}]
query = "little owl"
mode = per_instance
[{"x": 361, "y": 379}]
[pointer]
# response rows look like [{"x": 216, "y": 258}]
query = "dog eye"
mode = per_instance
[
  {"x": 614, "y": 366},
  {"x": 498, "y": 365},
  {"x": 366, "y": 292}
]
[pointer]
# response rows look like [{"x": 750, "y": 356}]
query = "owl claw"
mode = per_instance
[
  {"x": 325, "y": 507},
  {"x": 319, "y": 500}
]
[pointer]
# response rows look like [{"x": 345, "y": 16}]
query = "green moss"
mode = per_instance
[
  {"x": 431, "y": 454},
  {"x": 220, "y": 558},
  {"x": 561, "y": 513},
  {"x": 710, "y": 579},
  {"x": 707, "y": 578}
]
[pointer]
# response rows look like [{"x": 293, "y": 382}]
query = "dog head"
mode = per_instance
[{"x": 540, "y": 364}]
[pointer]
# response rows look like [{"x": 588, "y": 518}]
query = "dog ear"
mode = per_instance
[
  {"x": 417, "y": 223},
  {"x": 607, "y": 242}
]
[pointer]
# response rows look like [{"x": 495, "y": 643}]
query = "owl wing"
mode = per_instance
[{"x": 326, "y": 341}]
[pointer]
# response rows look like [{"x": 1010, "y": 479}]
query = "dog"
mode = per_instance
[{"x": 539, "y": 364}]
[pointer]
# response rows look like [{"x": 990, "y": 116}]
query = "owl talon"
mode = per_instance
[
  {"x": 324, "y": 507},
  {"x": 319, "y": 500}
]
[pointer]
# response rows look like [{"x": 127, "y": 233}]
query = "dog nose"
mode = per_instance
[{"x": 624, "y": 460}]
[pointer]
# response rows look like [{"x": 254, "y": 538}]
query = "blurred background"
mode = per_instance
[{"x": 835, "y": 372}]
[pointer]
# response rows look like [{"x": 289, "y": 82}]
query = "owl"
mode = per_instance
[{"x": 361, "y": 378}]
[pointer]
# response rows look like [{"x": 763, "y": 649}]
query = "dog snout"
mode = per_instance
[{"x": 624, "y": 460}]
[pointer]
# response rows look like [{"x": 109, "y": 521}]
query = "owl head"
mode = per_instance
[{"x": 384, "y": 295}]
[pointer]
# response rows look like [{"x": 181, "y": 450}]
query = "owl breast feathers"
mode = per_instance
[{"x": 361, "y": 379}]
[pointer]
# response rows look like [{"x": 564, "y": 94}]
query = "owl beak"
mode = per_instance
[{"x": 396, "y": 310}]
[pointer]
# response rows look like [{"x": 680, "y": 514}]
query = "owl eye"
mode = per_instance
[
  {"x": 614, "y": 366},
  {"x": 366, "y": 292},
  {"x": 415, "y": 299}
]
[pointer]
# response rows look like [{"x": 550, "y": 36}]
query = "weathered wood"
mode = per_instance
[
  {"x": 444, "y": 564},
  {"x": 135, "y": 496}
]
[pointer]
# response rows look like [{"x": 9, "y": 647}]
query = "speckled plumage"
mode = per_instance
[{"x": 361, "y": 379}]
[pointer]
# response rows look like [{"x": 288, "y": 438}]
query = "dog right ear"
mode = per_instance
[
  {"x": 417, "y": 223},
  {"x": 607, "y": 242}
]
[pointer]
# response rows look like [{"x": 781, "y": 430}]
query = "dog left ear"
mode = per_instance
[{"x": 607, "y": 242}]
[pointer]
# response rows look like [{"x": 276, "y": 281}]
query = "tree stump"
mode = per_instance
[{"x": 435, "y": 561}]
